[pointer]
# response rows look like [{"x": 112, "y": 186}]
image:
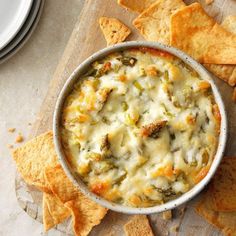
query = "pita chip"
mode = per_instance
[
  {"x": 225, "y": 221},
  {"x": 60, "y": 184},
  {"x": 224, "y": 185},
  {"x": 138, "y": 225},
  {"x": 196, "y": 33},
  {"x": 154, "y": 22},
  {"x": 225, "y": 72},
  {"x": 85, "y": 213},
  {"x": 54, "y": 212},
  {"x": 136, "y": 5},
  {"x": 34, "y": 157},
  {"x": 114, "y": 31}
]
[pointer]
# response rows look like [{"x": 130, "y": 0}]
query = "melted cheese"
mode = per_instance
[{"x": 140, "y": 128}]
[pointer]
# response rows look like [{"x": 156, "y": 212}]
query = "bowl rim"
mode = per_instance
[{"x": 78, "y": 182}]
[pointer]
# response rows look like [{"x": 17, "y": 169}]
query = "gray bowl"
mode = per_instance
[{"x": 75, "y": 177}]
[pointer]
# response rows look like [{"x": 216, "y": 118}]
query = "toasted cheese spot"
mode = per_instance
[
  {"x": 191, "y": 120},
  {"x": 201, "y": 174},
  {"x": 152, "y": 130},
  {"x": 84, "y": 168},
  {"x": 152, "y": 71},
  {"x": 100, "y": 188},
  {"x": 135, "y": 200},
  {"x": 113, "y": 195},
  {"x": 216, "y": 112},
  {"x": 204, "y": 85},
  {"x": 175, "y": 73},
  {"x": 166, "y": 171},
  {"x": 83, "y": 118},
  {"x": 122, "y": 78},
  {"x": 217, "y": 115}
]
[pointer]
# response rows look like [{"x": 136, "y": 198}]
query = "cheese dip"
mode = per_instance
[{"x": 140, "y": 127}]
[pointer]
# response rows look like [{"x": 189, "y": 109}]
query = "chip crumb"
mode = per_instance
[
  {"x": 174, "y": 229},
  {"x": 208, "y": 2},
  {"x": 10, "y": 146},
  {"x": 11, "y": 130},
  {"x": 19, "y": 138},
  {"x": 167, "y": 215},
  {"x": 234, "y": 95}
]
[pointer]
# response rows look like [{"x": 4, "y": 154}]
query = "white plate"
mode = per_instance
[
  {"x": 27, "y": 36},
  {"x": 13, "y": 14},
  {"x": 24, "y": 29}
]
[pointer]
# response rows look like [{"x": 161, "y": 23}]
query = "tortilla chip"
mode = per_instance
[
  {"x": 136, "y": 5},
  {"x": 114, "y": 31},
  {"x": 138, "y": 225},
  {"x": 234, "y": 95},
  {"x": 154, "y": 22},
  {"x": 225, "y": 72},
  {"x": 60, "y": 184},
  {"x": 85, "y": 214},
  {"x": 224, "y": 185},
  {"x": 208, "y": 2},
  {"x": 225, "y": 221},
  {"x": 54, "y": 212},
  {"x": 229, "y": 23},
  {"x": 196, "y": 33},
  {"x": 33, "y": 157}
]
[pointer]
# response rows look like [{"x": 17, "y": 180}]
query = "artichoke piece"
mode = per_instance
[
  {"x": 91, "y": 72},
  {"x": 124, "y": 106},
  {"x": 152, "y": 130},
  {"x": 138, "y": 85},
  {"x": 105, "y": 144},
  {"x": 166, "y": 75},
  {"x": 128, "y": 61}
]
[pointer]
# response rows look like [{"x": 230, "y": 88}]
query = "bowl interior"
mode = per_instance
[{"x": 75, "y": 177}]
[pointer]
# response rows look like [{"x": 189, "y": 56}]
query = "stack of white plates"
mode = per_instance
[{"x": 18, "y": 19}]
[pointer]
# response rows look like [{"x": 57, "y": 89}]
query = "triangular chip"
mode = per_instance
[
  {"x": 136, "y": 5},
  {"x": 224, "y": 185},
  {"x": 54, "y": 212},
  {"x": 229, "y": 23},
  {"x": 33, "y": 157},
  {"x": 225, "y": 221},
  {"x": 60, "y": 184},
  {"x": 137, "y": 226},
  {"x": 225, "y": 72},
  {"x": 196, "y": 33},
  {"x": 208, "y": 2},
  {"x": 85, "y": 214},
  {"x": 114, "y": 31},
  {"x": 154, "y": 22}
]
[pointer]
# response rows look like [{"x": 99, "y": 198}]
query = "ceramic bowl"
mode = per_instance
[{"x": 75, "y": 178}]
